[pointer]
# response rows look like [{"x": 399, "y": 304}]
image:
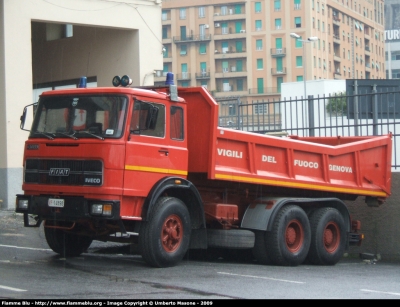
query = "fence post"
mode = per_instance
[
  {"x": 238, "y": 118},
  {"x": 355, "y": 107},
  {"x": 374, "y": 110},
  {"x": 311, "y": 126}
]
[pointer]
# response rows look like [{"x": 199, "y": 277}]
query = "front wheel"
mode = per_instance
[
  {"x": 289, "y": 240},
  {"x": 327, "y": 237},
  {"x": 164, "y": 238},
  {"x": 66, "y": 244}
]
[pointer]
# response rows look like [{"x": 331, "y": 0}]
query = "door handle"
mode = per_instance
[{"x": 165, "y": 151}]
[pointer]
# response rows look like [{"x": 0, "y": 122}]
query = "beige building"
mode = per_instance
[
  {"x": 245, "y": 48},
  {"x": 50, "y": 44}
]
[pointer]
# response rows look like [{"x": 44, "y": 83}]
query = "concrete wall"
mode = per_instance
[
  {"x": 110, "y": 38},
  {"x": 380, "y": 225}
]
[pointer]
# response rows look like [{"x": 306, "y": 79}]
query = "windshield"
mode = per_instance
[{"x": 77, "y": 117}]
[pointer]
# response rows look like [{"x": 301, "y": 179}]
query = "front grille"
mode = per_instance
[{"x": 65, "y": 172}]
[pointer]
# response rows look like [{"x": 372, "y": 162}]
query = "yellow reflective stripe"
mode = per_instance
[
  {"x": 155, "y": 170},
  {"x": 300, "y": 185}
]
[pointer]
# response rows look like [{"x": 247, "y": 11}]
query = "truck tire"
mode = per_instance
[
  {"x": 230, "y": 238},
  {"x": 328, "y": 238},
  {"x": 260, "y": 251},
  {"x": 289, "y": 240},
  {"x": 66, "y": 244},
  {"x": 164, "y": 238}
]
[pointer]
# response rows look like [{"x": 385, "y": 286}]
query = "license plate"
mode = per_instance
[{"x": 56, "y": 202}]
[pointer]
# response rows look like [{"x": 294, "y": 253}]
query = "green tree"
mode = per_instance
[{"x": 337, "y": 105}]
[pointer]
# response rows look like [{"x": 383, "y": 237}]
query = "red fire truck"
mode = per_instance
[{"x": 150, "y": 166}]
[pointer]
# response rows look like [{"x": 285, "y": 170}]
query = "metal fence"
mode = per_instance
[{"x": 334, "y": 115}]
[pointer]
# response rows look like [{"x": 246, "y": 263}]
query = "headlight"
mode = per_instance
[
  {"x": 101, "y": 209},
  {"x": 97, "y": 209},
  {"x": 23, "y": 204}
]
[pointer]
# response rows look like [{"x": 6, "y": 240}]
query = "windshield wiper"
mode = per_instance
[
  {"x": 49, "y": 136},
  {"x": 68, "y": 135},
  {"x": 92, "y": 134}
]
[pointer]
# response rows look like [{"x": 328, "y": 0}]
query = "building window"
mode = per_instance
[
  {"x": 182, "y": 13},
  {"x": 203, "y": 68},
  {"x": 203, "y": 49},
  {"x": 278, "y": 23},
  {"x": 225, "y": 66},
  {"x": 299, "y": 43},
  {"x": 260, "y": 86},
  {"x": 164, "y": 32},
  {"x": 165, "y": 52},
  {"x": 239, "y": 84},
  {"x": 297, "y": 4},
  {"x": 183, "y": 49},
  {"x": 164, "y": 15},
  {"x": 277, "y": 5},
  {"x": 258, "y": 25},
  {"x": 224, "y": 10},
  {"x": 202, "y": 12},
  {"x": 279, "y": 82},
  {"x": 260, "y": 64},
  {"x": 299, "y": 61},
  {"x": 395, "y": 56},
  {"x": 297, "y": 22},
  {"x": 299, "y": 78},
  {"x": 257, "y": 7},
  {"x": 225, "y": 29},
  {"x": 259, "y": 45}
]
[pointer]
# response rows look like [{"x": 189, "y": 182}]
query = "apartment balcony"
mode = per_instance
[
  {"x": 229, "y": 54},
  {"x": 231, "y": 72},
  {"x": 336, "y": 20},
  {"x": 204, "y": 75},
  {"x": 278, "y": 72},
  {"x": 166, "y": 40},
  {"x": 367, "y": 50},
  {"x": 336, "y": 57},
  {"x": 230, "y": 14},
  {"x": 166, "y": 19},
  {"x": 278, "y": 52},
  {"x": 228, "y": 33},
  {"x": 337, "y": 74},
  {"x": 160, "y": 76},
  {"x": 183, "y": 76},
  {"x": 167, "y": 59},
  {"x": 368, "y": 67},
  {"x": 366, "y": 35},
  {"x": 336, "y": 38},
  {"x": 264, "y": 91},
  {"x": 192, "y": 38}
]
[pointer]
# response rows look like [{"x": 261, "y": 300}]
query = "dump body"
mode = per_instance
[{"x": 358, "y": 166}]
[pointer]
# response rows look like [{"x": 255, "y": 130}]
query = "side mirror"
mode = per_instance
[{"x": 25, "y": 115}]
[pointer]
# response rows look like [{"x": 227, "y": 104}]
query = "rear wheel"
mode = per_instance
[
  {"x": 164, "y": 238},
  {"x": 327, "y": 237},
  {"x": 66, "y": 244},
  {"x": 289, "y": 240}
]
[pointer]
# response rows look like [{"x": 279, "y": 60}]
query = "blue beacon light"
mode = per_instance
[
  {"x": 82, "y": 82},
  {"x": 170, "y": 79}
]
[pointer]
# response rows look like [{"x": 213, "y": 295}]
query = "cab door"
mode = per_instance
[{"x": 151, "y": 154}]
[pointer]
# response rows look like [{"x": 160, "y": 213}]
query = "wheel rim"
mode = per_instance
[
  {"x": 171, "y": 233},
  {"x": 331, "y": 237},
  {"x": 294, "y": 236}
]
